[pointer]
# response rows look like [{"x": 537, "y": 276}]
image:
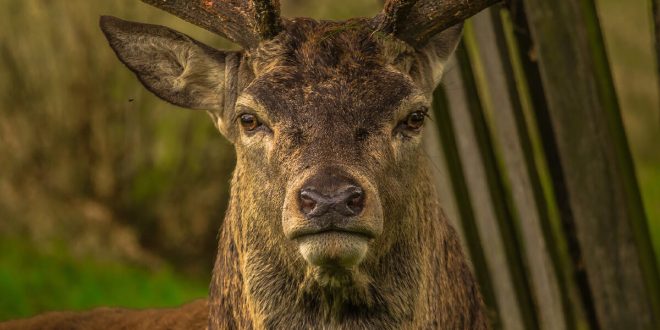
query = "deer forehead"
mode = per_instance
[
  {"x": 327, "y": 46},
  {"x": 372, "y": 96},
  {"x": 340, "y": 71}
]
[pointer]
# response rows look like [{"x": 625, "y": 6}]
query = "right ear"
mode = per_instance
[
  {"x": 175, "y": 67},
  {"x": 433, "y": 57}
]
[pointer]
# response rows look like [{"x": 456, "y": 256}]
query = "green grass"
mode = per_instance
[{"x": 32, "y": 282}]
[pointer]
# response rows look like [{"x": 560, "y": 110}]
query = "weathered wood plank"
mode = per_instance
[
  {"x": 462, "y": 101},
  {"x": 555, "y": 193},
  {"x": 602, "y": 192},
  {"x": 465, "y": 218},
  {"x": 511, "y": 138},
  {"x": 442, "y": 177},
  {"x": 499, "y": 193},
  {"x": 655, "y": 9}
]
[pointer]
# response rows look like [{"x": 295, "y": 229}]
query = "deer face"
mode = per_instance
[
  {"x": 326, "y": 118},
  {"x": 337, "y": 125}
]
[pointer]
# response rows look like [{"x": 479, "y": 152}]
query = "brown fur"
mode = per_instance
[
  {"x": 332, "y": 96},
  {"x": 190, "y": 316}
]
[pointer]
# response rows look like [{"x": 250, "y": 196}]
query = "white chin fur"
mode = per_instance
[{"x": 333, "y": 249}]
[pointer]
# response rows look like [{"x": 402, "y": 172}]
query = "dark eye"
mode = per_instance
[
  {"x": 249, "y": 122},
  {"x": 415, "y": 120}
]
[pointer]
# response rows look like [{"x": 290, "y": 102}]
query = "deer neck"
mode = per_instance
[{"x": 254, "y": 289}]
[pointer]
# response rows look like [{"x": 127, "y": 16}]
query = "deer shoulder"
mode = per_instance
[{"x": 190, "y": 316}]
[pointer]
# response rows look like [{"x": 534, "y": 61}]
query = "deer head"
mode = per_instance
[{"x": 326, "y": 118}]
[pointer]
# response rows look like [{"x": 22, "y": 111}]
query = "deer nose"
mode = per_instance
[
  {"x": 348, "y": 202},
  {"x": 331, "y": 193}
]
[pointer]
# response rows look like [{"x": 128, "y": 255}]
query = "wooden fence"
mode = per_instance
[{"x": 533, "y": 166}]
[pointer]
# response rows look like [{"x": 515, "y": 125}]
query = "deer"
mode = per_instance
[{"x": 333, "y": 222}]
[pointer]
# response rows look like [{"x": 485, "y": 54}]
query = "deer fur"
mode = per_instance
[
  {"x": 190, "y": 316},
  {"x": 329, "y": 97}
]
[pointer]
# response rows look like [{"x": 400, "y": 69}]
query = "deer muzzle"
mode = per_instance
[{"x": 332, "y": 216}]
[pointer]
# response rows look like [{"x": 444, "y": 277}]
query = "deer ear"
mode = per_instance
[
  {"x": 432, "y": 58},
  {"x": 173, "y": 66}
]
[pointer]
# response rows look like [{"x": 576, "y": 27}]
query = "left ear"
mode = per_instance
[
  {"x": 177, "y": 68},
  {"x": 431, "y": 59}
]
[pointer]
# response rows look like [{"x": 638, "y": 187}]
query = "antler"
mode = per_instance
[
  {"x": 242, "y": 21},
  {"x": 417, "y": 21}
]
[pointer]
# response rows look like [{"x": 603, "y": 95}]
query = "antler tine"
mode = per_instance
[
  {"x": 417, "y": 21},
  {"x": 268, "y": 19},
  {"x": 394, "y": 14},
  {"x": 242, "y": 21}
]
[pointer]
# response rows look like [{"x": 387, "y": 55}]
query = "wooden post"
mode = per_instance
[
  {"x": 555, "y": 192},
  {"x": 518, "y": 169},
  {"x": 464, "y": 215},
  {"x": 485, "y": 192},
  {"x": 602, "y": 195},
  {"x": 655, "y": 10}
]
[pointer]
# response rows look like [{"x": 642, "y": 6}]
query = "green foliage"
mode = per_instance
[
  {"x": 32, "y": 282},
  {"x": 85, "y": 146}
]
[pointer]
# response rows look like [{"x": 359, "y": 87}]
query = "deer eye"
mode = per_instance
[
  {"x": 249, "y": 122},
  {"x": 415, "y": 120},
  {"x": 411, "y": 124}
]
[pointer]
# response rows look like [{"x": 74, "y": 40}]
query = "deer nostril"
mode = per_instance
[
  {"x": 355, "y": 201},
  {"x": 307, "y": 201},
  {"x": 347, "y": 202}
]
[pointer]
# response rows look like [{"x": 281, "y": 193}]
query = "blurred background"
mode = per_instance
[{"x": 109, "y": 196}]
